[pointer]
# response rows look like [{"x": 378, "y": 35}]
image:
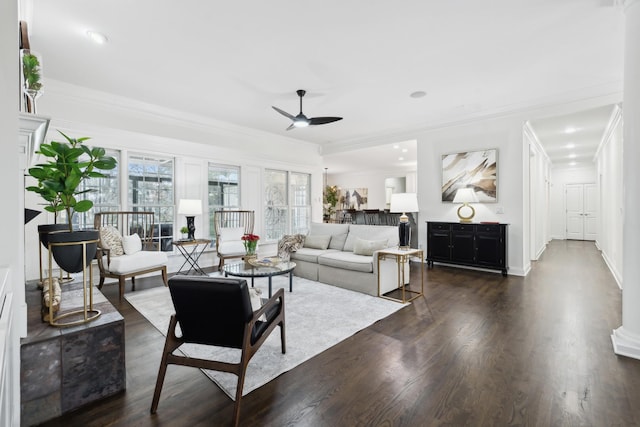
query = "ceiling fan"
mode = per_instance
[{"x": 301, "y": 121}]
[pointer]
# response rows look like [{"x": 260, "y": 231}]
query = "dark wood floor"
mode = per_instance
[{"x": 479, "y": 350}]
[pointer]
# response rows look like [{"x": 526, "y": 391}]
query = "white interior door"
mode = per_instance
[
  {"x": 582, "y": 211},
  {"x": 590, "y": 211},
  {"x": 574, "y": 197}
]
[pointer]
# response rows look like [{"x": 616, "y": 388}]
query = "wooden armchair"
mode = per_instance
[
  {"x": 121, "y": 255},
  {"x": 229, "y": 227},
  {"x": 217, "y": 311}
]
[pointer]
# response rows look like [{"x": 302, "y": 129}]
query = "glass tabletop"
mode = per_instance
[{"x": 243, "y": 269}]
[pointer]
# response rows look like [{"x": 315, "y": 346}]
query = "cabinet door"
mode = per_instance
[
  {"x": 438, "y": 242},
  {"x": 490, "y": 246},
  {"x": 462, "y": 243}
]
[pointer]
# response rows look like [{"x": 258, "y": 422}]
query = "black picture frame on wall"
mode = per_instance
[{"x": 471, "y": 169}]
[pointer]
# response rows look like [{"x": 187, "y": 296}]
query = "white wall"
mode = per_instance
[
  {"x": 505, "y": 134},
  {"x": 561, "y": 176},
  {"x": 609, "y": 175},
  {"x": 192, "y": 144}
]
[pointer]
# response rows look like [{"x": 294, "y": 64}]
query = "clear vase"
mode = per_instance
[{"x": 32, "y": 83}]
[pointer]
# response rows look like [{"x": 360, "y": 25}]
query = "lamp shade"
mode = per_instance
[
  {"x": 404, "y": 202},
  {"x": 465, "y": 195},
  {"x": 190, "y": 207}
]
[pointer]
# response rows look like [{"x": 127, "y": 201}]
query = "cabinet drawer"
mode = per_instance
[
  {"x": 462, "y": 227},
  {"x": 439, "y": 226},
  {"x": 488, "y": 228}
]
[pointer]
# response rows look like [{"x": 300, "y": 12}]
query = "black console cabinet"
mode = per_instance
[{"x": 474, "y": 245}]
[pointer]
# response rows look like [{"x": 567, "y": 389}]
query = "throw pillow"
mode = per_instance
[
  {"x": 256, "y": 301},
  {"x": 337, "y": 241},
  {"x": 317, "y": 242},
  {"x": 368, "y": 247},
  {"x": 228, "y": 234},
  {"x": 131, "y": 244},
  {"x": 110, "y": 238}
]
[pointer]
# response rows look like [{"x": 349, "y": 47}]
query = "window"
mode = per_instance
[
  {"x": 300, "y": 202},
  {"x": 287, "y": 203},
  {"x": 151, "y": 189},
  {"x": 224, "y": 191},
  {"x": 103, "y": 192}
]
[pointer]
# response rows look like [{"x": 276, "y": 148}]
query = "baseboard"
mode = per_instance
[
  {"x": 624, "y": 344},
  {"x": 615, "y": 273}
]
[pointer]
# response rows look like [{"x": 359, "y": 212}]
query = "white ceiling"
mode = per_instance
[
  {"x": 358, "y": 59},
  {"x": 572, "y": 139}
]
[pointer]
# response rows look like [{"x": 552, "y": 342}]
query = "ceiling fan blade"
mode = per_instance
[
  {"x": 284, "y": 113},
  {"x": 323, "y": 120},
  {"x": 291, "y": 126}
]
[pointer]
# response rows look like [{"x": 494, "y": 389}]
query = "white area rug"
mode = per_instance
[{"x": 317, "y": 317}]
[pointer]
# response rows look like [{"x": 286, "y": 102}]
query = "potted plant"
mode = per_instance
[
  {"x": 330, "y": 200},
  {"x": 59, "y": 183},
  {"x": 184, "y": 230}
]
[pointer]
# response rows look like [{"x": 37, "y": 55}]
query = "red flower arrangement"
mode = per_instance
[{"x": 250, "y": 242}]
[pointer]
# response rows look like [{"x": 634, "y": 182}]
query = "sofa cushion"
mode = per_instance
[
  {"x": 368, "y": 247},
  {"x": 235, "y": 247},
  {"x": 228, "y": 234},
  {"x": 347, "y": 261},
  {"x": 309, "y": 254},
  {"x": 337, "y": 241},
  {"x": 371, "y": 232},
  {"x": 135, "y": 262},
  {"x": 325, "y": 228},
  {"x": 131, "y": 244},
  {"x": 317, "y": 241},
  {"x": 110, "y": 238}
]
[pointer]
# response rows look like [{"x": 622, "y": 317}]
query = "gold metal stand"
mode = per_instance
[
  {"x": 402, "y": 257},
  {"x": 61, "y": 279},
  {"x": 88, "y": 313}
]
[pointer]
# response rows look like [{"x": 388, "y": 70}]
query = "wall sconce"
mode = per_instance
[
  {"x": 404, "y": 202},
  {"x": 190, "y": 208},
  {"x": 466, "y": 196}
]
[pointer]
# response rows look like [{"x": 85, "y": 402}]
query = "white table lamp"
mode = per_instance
[
  {"x": 466, "y": 196},
  {"x": 190, "y": 208},
  {"x": 404, "y": 202}
]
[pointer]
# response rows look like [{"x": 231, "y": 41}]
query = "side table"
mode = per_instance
[
  {"x": 191, "y": 251},
  {"x": 402, "y": 257}
]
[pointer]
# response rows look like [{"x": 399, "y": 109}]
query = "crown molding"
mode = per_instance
[
  {"x": 534, "y": 140},
  {"x": 130, "y": 107},
  {"x": 614, "y": 119}
]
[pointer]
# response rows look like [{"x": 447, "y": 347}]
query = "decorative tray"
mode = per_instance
[{"x": 265, "y": 262}]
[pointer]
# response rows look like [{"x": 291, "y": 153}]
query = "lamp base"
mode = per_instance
[
  {"x": 192, "y": 228},
  {"x": 404, "y": 234},
  {"x": 468, "y": 218}
]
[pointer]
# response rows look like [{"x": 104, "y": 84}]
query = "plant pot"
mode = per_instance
[
  {"x": 45, "y": 229},
  {"x": 69, "y": 256}
]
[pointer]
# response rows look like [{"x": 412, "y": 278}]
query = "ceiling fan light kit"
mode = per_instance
[{"x": 301, "y": 121}]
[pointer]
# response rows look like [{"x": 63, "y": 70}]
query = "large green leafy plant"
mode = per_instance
[
  {"x": 31, "y": 70},
  {"x": 69, "y": 164}
]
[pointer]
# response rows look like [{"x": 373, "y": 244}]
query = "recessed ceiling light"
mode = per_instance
[
  {"x": 404, "y": 150},
  {"x": 572, "y": 163},
  {"x": 418, "y": 94},
  {"x": 400, "y": 158},
  {"x": 571, "y": 145},
  {"x": 396, "y": 146},
  {"x": 570, "y": 130},
  {"x": 97, "y": 37},
  {"x": 572, "y": 156}
]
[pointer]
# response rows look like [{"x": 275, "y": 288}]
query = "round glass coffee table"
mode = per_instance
[{"x": 244, "y": 269}]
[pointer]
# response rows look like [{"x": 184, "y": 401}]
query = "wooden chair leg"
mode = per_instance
[
  {"x": 220, "y": 264},
  {"x": 101, "y": 281},
  {"x": 170, "y": 344},
  {"x": 283, "y": 340},
  {"x": 133, "y": 283},
  {"x": 121, "y": 286},
  {"x": 164, "y": 276},
  {"x": 236, "y": 406}
]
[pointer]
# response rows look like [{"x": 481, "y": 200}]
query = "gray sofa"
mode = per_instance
[{"x": 346, "y": 255}]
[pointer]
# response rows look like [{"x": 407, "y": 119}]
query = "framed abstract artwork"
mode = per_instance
[
  {"x": 353, "y": 198},
  {"x": 471, "y": 169}
]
